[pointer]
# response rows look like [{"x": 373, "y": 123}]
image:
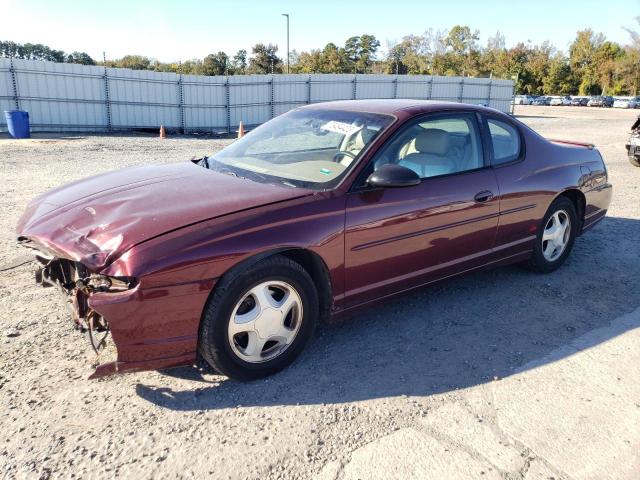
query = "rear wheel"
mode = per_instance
[
  {"x": 555, "y": 237},
  {"x": 259, "y": 320},
  {"x": 635, "y": 161}
]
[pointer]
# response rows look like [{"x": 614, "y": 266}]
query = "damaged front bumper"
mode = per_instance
[
  {"x": 78, "y": 285},
  {"x": 149, "y": 328}
]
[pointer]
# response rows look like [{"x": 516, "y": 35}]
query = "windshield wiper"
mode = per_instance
[{"x": 204, "y": 162}]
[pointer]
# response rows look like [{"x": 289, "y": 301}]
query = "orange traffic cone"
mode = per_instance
[
  {"x": 240, "y": 130},
  {"x": 163, "y": 132}
]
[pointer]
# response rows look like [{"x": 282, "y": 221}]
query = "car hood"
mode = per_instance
[{"x": 95, "y": 220}]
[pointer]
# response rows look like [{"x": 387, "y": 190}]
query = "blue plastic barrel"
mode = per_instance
[{"x": 17, "y": 123}]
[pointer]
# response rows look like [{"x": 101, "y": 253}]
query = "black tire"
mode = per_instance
[
  {"x": 213, "y": 342},
  {"x": 633, "y": 160},
  {"x": 538, "y": 262}
]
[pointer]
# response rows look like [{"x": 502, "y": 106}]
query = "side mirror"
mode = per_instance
[{"x": 393, "y": 176}]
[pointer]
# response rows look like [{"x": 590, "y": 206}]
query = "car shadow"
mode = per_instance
[{"x": 453, "y": 335}]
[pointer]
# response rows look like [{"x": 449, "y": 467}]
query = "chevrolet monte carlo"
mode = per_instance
[{"x": 236, "y": 257}]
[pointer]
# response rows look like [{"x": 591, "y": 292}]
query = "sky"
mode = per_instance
[{"x": 180, "y": 30}]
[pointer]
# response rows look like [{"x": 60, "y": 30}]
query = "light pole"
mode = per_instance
[{"x": 287, "y": 15}]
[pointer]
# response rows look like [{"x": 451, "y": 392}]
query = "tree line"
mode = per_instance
[
  {"x": 592, "y": 65},
  {"x": 37, "y": 51}
]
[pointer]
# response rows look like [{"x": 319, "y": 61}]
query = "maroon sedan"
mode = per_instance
[{"x": 236, "y": 257}]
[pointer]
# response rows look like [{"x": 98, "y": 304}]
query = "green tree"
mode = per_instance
[
  {"x": 559, "y": 78},
  {"x": 408, "y": 56},
  {"x": 606, "y": 60},
  {"x": 361, "y": 51},
  {"x": 81, "y": 58},
  {"x": 264, "y": 59},
  {"x": 134, "y": 62},
  {"x": 215, "y": 64},
  {"x": 582, "y": 57},
  {"x": 463, "y": 53},
  {"x": 308, "y": 62},
  {"x": 239, "y": 62}
]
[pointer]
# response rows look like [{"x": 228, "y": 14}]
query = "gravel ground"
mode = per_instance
[{"x": 501, "y": 373}]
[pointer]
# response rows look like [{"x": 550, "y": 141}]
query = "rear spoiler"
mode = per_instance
[{"x": 590, "y": 146}]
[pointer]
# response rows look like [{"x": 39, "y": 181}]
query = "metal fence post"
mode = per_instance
[
  {"x": 107, "y": 100},
  {"x": 309, "y": 89},
  {"x": 181, "y": 104},
  {"x": 430, "y": 92},
  {"x": 490, "y": 87},
  {"x": 228, "y": 103},
  {"x": 14, "y": 81},
  {"x": 395, "y": 87},
  {"x": 461, "y": 94},
  {"x": 271, "y": 98},
  {"x": 355, "y": 86}
]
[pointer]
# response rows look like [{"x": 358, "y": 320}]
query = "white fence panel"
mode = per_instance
[
  {"x": 250, "y": 115},
  {"x": 291, "y": 89},
  {"x": 475, "y": 90},
  {"x": 447, "y": 88},
  {"x": 61, "y": 96},
  {"x": 375, "y": 86},
  {"x": 7, "y": 101},
  {"x": 72, "y": 115},
  {"x": 143, "y": 99},
  {"x": 326, "y": 87},
  {"x": 205, "y": 103},
  {"x": 414, "y": 86}
]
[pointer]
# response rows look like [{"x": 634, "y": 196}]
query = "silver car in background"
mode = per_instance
[
  {"x": 560, "y": 101},
  {"x": 523, "y": 100},
  {"x": 633, "y": 102}
]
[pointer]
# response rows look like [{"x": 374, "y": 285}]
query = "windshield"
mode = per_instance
[{"x": 306, "y": 148}]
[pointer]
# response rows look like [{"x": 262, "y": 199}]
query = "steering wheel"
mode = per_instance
[{"x": 336, "y": 157}]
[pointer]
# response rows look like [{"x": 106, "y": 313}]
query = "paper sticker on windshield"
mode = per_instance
[
  {"x": 325, "y": 171},
  {"x": 340, "y": 127}
]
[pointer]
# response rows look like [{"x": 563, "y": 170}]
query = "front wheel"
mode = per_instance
[
  {"x": 555, "y": 237},
  {"x": 258, "y": 321}
]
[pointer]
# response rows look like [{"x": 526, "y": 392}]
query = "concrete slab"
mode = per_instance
[
  {"x": 581, "y": 412},
  {"x": 471, "y": 432},
  {"x": 412, "y": 454}
]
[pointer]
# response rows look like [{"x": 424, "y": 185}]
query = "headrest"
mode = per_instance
[
  {"x": 433, "y": 141},
  {"x": 363, "y": 137}
]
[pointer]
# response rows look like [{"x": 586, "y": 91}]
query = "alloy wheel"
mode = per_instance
[
  {"x": 555, "y": 237},
  {"x": 265, "y": 321}
]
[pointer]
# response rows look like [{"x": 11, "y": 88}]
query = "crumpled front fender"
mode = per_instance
[{"x": 152, "y": 328}]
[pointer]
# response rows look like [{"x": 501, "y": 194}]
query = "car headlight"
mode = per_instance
[{"x": 103, "y": 283}]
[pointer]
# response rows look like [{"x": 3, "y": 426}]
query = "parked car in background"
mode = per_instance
[
  {"x": 633, "y": 146},
  {"x": 560, "y": 101},
  {"x": 632, "y": 102},
  {"x": 523, "y": 100},
  {"x": 600, "y": 101},
  {"x": 236, "y": 257},
  {"x": 541, "y": 101},
  {"x": 579, "y": 101}
]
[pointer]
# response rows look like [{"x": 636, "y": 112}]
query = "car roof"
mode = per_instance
[{"x": 391, "y": 106}]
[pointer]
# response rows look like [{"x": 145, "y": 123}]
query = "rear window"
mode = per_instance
[{"x": 505, "y": 141}]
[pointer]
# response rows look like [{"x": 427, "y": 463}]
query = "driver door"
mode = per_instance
[{"x": 400, "y": 238}]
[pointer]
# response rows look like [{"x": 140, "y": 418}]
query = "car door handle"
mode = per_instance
[{"x": 483, "y": 196}]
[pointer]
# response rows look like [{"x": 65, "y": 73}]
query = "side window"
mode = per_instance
[
  {"x": 505, "y": 140},
  {"x": 442, "y": 145}
]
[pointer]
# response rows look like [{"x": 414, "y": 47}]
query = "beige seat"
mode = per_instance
[
  {"x": 355, "y": 144},
  {"x": 432, "y": 154}
]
